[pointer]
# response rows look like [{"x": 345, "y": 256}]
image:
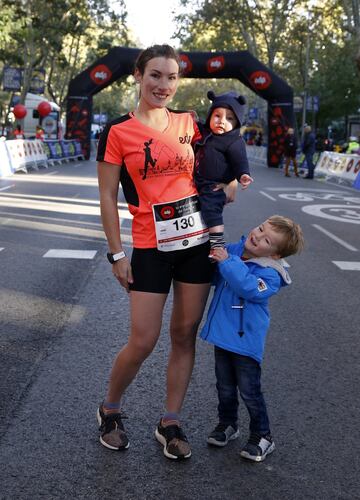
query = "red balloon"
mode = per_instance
[
  {"x": 19, "y": 111},
  {"x": 44, "y": 108}
]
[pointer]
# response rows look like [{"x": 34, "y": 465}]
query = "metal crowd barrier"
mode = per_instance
[{"x": 22, "y": 155}]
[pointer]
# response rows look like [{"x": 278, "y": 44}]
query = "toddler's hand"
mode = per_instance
[{"x": 245, "y": 181}]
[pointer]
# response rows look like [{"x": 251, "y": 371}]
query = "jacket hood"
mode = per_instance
[
  {"x": 275, "y": 264},
  {"x": 228, "y": 100}
]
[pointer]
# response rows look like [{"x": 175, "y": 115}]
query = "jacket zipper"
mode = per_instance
[{"x": 241, "y": 307}]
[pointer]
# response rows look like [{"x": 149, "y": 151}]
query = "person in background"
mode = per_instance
[
  {"x": 39, "y": 134},
  {"x": 259, "y": 139},
  {"x": 353, "y": 145},
  {"x": 249, "y": 273},
  {"x": 220, "y": 157},
  {"x": 18, "y": 132},
  {"x": 290, "y": 147},
  {"x": 308, "y": 148}
]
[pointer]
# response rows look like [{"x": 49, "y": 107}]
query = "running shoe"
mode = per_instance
[
  {"x": 222, "y": 434},
  {"x": 113, "y": 435},
  {"x": 174, "y": 441},
  {"x": 258, "y": 447}
]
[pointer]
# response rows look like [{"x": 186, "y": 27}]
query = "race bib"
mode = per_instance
[{"x": 179, "y": 224}]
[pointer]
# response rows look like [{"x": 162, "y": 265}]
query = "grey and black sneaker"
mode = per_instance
[
  {"x": 174, "y": 441},
  {"x": 222, "y": 434},
  {"x": 113, "y": 435},
  {"x": 258, "y": 447}
]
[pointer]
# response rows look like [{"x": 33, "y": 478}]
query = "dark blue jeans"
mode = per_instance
[
  {"x": 310, "y": 164},
  {"x": 235, "y": 372}
]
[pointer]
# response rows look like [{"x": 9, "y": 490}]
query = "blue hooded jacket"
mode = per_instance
[{"x": 238, "y": 318}]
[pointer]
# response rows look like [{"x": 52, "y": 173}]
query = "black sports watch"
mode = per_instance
[{"x": 114, "y": 257}]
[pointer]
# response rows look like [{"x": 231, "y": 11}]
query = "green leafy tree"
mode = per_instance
[
  {"x": 63, "y": 37},
  {"x": 312, "y": 44},
  {"x": 258, "y": 26},
  {"x": 351, "y": 10}
]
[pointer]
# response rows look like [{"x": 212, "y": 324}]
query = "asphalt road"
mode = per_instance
[{"x": 63, "y": 320}]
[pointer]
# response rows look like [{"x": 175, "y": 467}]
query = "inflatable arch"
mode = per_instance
[{"x": 119, "y": 61}]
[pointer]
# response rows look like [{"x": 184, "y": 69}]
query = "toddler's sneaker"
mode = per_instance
[
  {"x": 222, "y": 434},
  {"x": 174, "y": 441},
  {"x": 113, "y": 435},
  {"x": 258, "y": 447}
]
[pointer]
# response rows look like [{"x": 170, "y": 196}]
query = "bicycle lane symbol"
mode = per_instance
[
  {"x": 342, "y": 213},
  {"x": 304, "y": 197},
  {"x": 347, "y": 212}
]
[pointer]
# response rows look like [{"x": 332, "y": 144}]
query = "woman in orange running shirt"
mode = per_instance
[{"x": 150, "y": 152}]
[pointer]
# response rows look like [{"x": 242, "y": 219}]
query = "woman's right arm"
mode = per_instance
[{"x": 109, "y": 178}]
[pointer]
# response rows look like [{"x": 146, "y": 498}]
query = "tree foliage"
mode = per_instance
[
  {"x": 63, "y": 37},
  {"x": 280, "y": 33}
]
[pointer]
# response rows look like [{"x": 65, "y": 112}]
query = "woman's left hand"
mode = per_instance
[{"x": 229, "y": 190}]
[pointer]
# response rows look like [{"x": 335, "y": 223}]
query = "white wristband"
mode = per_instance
[{"x": 118, "y": 256}]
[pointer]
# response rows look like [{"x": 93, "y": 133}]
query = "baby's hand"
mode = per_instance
[
  {"x": 245, "y": 181},
  {"x": 219, "y": 254}
]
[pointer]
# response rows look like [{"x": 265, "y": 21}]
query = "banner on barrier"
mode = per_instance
[
  {"x": 53, "y": 150},
  {"x": 63, "y": 150},
  {"x": 256, "y": 153},
  {"x": 339, "y": 165}
]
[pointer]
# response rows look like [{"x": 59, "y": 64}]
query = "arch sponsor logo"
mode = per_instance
[
  {"x": 215, "y": 64},
  {"x": 185, "y": 64},
  {"x": 260, "y": 80},
  {"x": 100, "y": 74}
]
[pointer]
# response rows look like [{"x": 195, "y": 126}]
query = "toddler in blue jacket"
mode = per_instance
[{"x": 249, "y": 273}]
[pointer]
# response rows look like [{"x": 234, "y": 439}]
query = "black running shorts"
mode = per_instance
[{"x": 153, "y": 270}]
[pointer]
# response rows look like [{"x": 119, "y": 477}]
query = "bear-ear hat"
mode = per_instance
[{"x": 228, "y": 100}]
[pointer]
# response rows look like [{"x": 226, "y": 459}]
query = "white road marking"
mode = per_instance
[
  {"x": 58, "y": 253},
  {"x": 61, "y": 230},
  {"x": 347, "y": 266},
  {"x": 7, "y": 187},
  {"x": 49, "y": 204},
  {"x": 342, "y": 213},
  {"x": 59, "y": 179},
  {"x": 52, "y": 173},
  {"x": 335, "y": 238},
  {"x": 1, "y": 249},
  {"x": 311, "y": 189},
  {"x": 78, "y": 206},
  {"x": 267, "y": 196}
]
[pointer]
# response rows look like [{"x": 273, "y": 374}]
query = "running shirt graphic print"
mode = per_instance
[
  {"x": 148, "y": 158},
  {"x": 159, "y": 159}
]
